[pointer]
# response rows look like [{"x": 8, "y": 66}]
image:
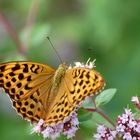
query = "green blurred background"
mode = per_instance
[{"x": 105, "y": 30}]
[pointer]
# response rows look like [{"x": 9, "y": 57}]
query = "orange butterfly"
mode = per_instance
[{"x": 38, "y": 91}]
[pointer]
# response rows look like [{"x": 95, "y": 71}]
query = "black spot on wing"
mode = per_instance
[
  {"x": 17, "y": 67},
  {"x": 82, "y": 74},
  {"x": 87, "y": 82},
  {"x": 87, "y": 75},
  {"x": 30, "y": 113},
  {"x": 33, "y": 65},
  {"x": 17, "y": 96},
  {"x": 21, "y": 92},
  {"x": 29, "y": 78},
  {"x": 78, "y": 90},
  {"x": 8, "y": 84},
  {"x": 72, "y": 92},
  {"x": 27, "y": 87},
  {"x": 32, "y": 106},
  {"x": 57, "y": 110},
  {"x": 35, "y": 71},
  {"x": 20, "y": 76},
  {"x": 13, "y": 90},
  {"x": 23, "y": 109},
  {"x": 26, "y": 103},
  {"x": 81, "y": 82},
  {"x": 75, "y": 83},
  {"x": 12, "y": 74},
  {"x": 1, "y": 75},
  {"x": 75, "y": 73},
  {"x": 33, "y": 98},
  {"x": 25, "y": 68},
  {"x": 19, "y": 85},
  {"x": 2, "y": 68},
  {"x": 1, "y": 81},
  {"x": 96, "y": 77},
  {"x": 85, "y": 92},
  {"x": 13, "y": 79}
]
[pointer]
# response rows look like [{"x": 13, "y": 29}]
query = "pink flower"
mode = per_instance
[
  {"x": 120, "y": 128},
  {"x": 104, "y": 133},
  {"x": 37, "y": 128},
  {"x": 68, "y": 127},
  {"x": 136, "y": 101},
  {"x": 128, "y": 126},
  {"x": 71, "y": 126}
]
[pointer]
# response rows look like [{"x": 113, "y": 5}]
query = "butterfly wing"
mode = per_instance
[
  {"x": 77, "y": 84},
  {"x": 83, "y": 82},
  {"x": 27, "y": 84}
]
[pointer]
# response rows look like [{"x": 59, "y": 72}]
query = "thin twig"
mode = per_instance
[
  {"x": 105, "y": 116},
  {"x": 31, "y": 19},
  {"x": 12, "y": 32},
  {"x": 101, "y": 113},
  {"x": 95, "y": 109},
  {"x": 90, "y": 109},
  {"x": 93, "y": 99}
]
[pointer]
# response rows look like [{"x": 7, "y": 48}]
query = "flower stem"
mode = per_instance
[
  {"x": 102, "y": 114},
  {"x": 12, "y": 32},
  {"x": 105, "y": 116},
  {"x": 96, "y": 109},
  {"x": 33, "y": 11}
]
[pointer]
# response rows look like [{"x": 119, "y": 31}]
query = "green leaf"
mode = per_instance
[{"x": 105, "y": 96}]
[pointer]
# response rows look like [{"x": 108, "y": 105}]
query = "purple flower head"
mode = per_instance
[
  {"x": 128, "y": 126},
  {"x": 104, "y": 133},
  {"x": 71, "y": 126},
  {"x": 68, "y": 127},
  {"x": 38, "y": 126}
]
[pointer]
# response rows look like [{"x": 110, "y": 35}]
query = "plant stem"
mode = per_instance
[
  {"x": 105, "y": 116},
  {"x": 102, "y": 114},
  {"x": 12, "y": 32},
  {"x": 31, "y": 19}
]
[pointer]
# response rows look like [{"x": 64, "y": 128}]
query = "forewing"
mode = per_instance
[{"x": 26, "y": 83}]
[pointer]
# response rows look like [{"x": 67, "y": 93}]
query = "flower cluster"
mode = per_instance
[
  {"x": 128, "y": 127},
  {"x": 104, "y": 133},
  {"x": 68, "y": 127}
]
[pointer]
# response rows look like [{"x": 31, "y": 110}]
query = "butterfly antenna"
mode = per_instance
[{"x": 54, "y": 49}]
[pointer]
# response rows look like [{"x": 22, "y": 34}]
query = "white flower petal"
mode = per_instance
[
  {"x": 127, "y": 136},
  {"x": 135, "y": 99}
]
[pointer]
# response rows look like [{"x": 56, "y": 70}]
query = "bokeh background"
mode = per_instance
[{"x": 105, "y": 30}]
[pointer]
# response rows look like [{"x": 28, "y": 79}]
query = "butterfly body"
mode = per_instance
[
  {"x": 38, "y": 91},
  {"x": 59, "y": 73}
]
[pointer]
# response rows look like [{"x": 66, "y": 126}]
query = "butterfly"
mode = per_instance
[{"x": 39, "y": 91}]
